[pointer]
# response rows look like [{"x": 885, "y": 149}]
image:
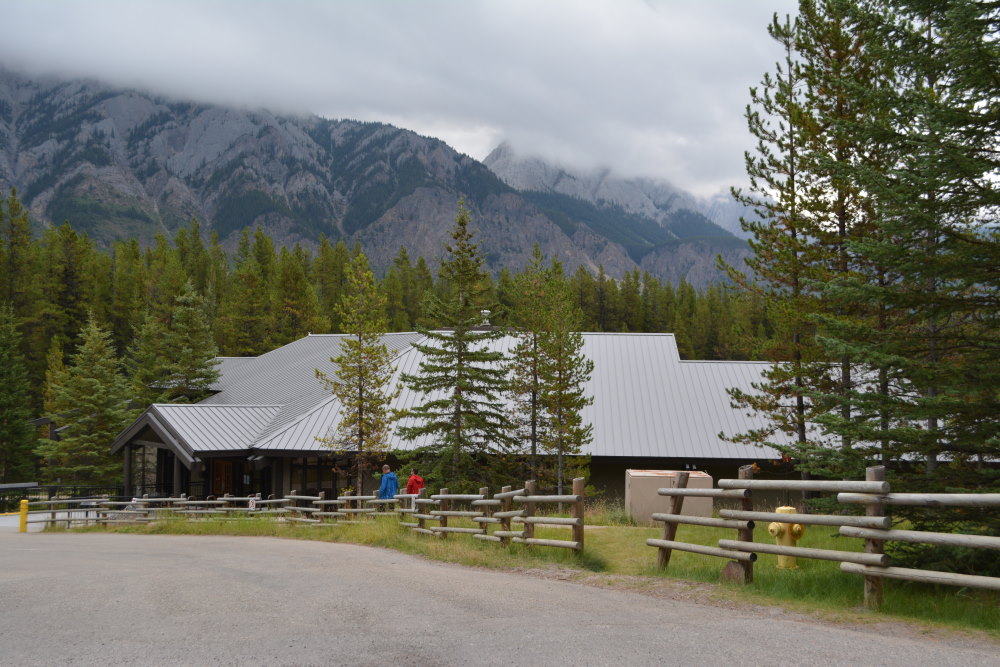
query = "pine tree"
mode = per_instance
[
  {"x": 17, "y": 437},
  {"x": 392, "y": 289},
  {"x": 363, "y": 373},
  {"x": 933, "y": 353},
  {"x": 175, "y": 362},
  {"x": 147, "y": 362},
  {"x": 246, "y": 312},
  {"x": 461, "y": 378},
  {"x": 191, "y": 350},
  {"x": 565, "y": 370},
  {"x": 128, "y": 297},
  {"x": 90, "y": 397},
  {"x": 166, "y": 278},
  {"x": 529, "y": 314},
  {"x": 332, "y": 264},
  {"x": 548, "y": 371},
  {"x": 295, "y": 309},
  {"x": 809, "y": 210}
]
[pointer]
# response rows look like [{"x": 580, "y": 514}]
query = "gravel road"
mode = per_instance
[{"x": 115, "y": 599}]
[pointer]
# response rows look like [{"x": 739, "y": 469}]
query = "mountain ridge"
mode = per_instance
[{"x": 121, "y": 163}]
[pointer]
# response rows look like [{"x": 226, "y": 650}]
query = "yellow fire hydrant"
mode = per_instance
[{"x": 786, "y": 535}]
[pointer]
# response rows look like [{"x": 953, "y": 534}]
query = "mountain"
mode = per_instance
[
  {"x": 666, "y": 231},
  {"x": 653, "y": 199},
  {"x": 123, "y": 163}
]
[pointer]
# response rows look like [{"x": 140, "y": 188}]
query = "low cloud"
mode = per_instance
[{"x": 647, "y": 88}]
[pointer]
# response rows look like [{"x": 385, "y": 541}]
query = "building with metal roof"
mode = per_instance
[{"x": 259, "y": 431}]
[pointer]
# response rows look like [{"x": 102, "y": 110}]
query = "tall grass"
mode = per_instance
[{"x": 616, "y": 549}]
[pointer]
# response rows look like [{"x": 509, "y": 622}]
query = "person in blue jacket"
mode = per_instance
[{"x": 390, "y": 485}]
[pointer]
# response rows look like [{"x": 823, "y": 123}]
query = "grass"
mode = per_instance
[{"x": 620, "y": 550}]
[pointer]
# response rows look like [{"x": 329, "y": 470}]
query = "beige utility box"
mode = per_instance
[{"x": 642, "y": 500}]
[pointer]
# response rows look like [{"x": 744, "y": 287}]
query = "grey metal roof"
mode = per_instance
[
  {"x": 226, "y": 367},
  {"x": 647, "y": 401},
  {"x": 287, "y": 376},
  {"x": 208, "y": 428}
]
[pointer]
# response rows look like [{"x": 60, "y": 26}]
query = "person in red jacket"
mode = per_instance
[{"x": 415, "y": 483}]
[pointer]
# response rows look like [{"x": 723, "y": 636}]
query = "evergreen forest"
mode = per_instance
[{"x": 161, "y": 310}]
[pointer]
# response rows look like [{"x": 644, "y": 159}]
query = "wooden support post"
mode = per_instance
[
  {"x": 742, "y": 571},
  {"x": 421, "y": 523},
  {"x": 530, "y": 489},
  {"x": 445, "y": 505},
  {"x": 484, "y": 491},
  {"x": 578, "y": 509},
  {"x": 177, "y": 476},
  {"x": 669, "y": 527},
  {"x": 873, "y": 585},
  {"x": 127, "y": 460},
  {"x": 505, "y": 506}
]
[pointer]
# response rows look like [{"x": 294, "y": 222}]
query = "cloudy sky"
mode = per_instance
[{"x": 654, "y": 88}]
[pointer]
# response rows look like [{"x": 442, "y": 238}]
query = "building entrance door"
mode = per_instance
[{"x": 222, "y": 477}]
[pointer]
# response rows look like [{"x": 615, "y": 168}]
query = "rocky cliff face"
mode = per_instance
[
  {"x": 692, "y": 231},
  {"x": 121, "y": 163},
  {"x": 655, "y": 200}
]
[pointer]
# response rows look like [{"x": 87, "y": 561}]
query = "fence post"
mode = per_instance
[
  {"x": 24, "y": 516},
  {"x": 445, "y": 505},
  {"x": 746, "y": 535},
  {"x": 484, "y": 491},
  {"x": 669, "y": 527},
  {"x": 530, "y": 489},
  {"x": 873, "y": 585},
  {"x": 578, "y": 509},
  {"x": 421, "y": 523},
  {"x": 505, "y": 505}
]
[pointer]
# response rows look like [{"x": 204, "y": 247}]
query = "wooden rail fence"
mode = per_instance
[
  {"x": 416, "y": 511},
  {"x": 875, "y": 528},
  {"x": 498, "y": 512}
]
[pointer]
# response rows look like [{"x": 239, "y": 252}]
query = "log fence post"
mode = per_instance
[
  {"x": 445, "y": 506},
  {"x": 505, "y": 506},
  {"x": 578, "y": 510},
  {"x": 745, "y": 534},
  {"x": 421, "y": 522},
  {"x": 530, "y": 489},
  {"x": 873, "y": 585},
  {"x": 669, "y": 527}
]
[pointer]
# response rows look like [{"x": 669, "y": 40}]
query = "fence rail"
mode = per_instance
[
  {"x": 874, "y": 528},
  {"x": 496, "y": 512}
]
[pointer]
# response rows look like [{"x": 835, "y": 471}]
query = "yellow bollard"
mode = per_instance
[
  {"x": 24, "y": 516},
  {"x": 786, "y": 535}
]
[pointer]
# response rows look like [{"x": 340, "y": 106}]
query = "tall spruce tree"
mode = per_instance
[
  {"x": 17, "y": 437},
  {"x": 91, "y": 399},
  {"x": 809, "y": 210},
  {"x": 246, "y": 313},
  {"x": 782, "y": 263},
  {"x": 295, "y": 308},
  {"x": 363, "y": 373},
  {"x": 174, "y": 362},
  {"x": 462, "y": 376},
  {"x": 936, "y": 208},
  {"x": 530, "y": 309},
  {"x": 548, "y": 371},
  {"x": 564, "y": 370}
]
